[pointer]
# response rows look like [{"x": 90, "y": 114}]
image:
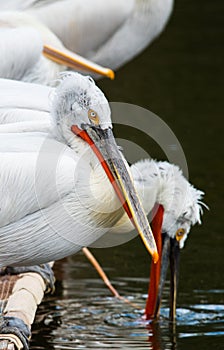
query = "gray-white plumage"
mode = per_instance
[{"x": 107, "y": 32}]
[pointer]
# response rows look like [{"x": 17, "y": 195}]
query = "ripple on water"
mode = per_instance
[
  {"x": 105, "y": 322},
  {"x": 201, "y": 320}
]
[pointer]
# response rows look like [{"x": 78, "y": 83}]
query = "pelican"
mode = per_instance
[
  {"x": 176, "y": 206},
  {"x": 161, "y": 186},
  {"x": 59, "y": 192},
  {"x": 109, "y": 33}
]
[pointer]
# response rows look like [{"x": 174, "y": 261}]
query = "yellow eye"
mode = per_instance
[
  {"x": 179, "y": 234},
  {"x": 93, "y": 116}
]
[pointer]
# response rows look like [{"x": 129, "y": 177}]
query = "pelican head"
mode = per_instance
[
  {"x": 82, "y": 119},
  {"x": 78, "y": 101},
  {"x": 178, "y": 207}
]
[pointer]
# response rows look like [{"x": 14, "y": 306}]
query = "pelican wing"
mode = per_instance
[
  {"x": 35, "y": 172},
  {"x": 27, "y": 154}
]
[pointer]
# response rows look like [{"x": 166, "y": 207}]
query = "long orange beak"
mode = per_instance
[
  {"x": 152, "y": 309},
  {"x": 116, "y": 170},
  {"x": 72, "y": 60}
]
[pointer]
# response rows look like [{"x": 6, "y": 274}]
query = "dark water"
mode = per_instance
[{"x": 180, "y": 78}]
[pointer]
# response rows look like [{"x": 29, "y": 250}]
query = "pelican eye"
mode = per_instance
[
  {"x": 179, "y": 234},
  {"x": 93, "y": 117}
]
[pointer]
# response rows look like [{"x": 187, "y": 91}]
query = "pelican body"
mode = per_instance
[{"x": 57, "y": 189}]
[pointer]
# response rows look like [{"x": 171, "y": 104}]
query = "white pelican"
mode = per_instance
[
  {"x": 108, "y": 32},
  {"x": 176, "y": 206},
  {"x": 159, "y": 184},
  {"x": 55, "y": 193}
]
